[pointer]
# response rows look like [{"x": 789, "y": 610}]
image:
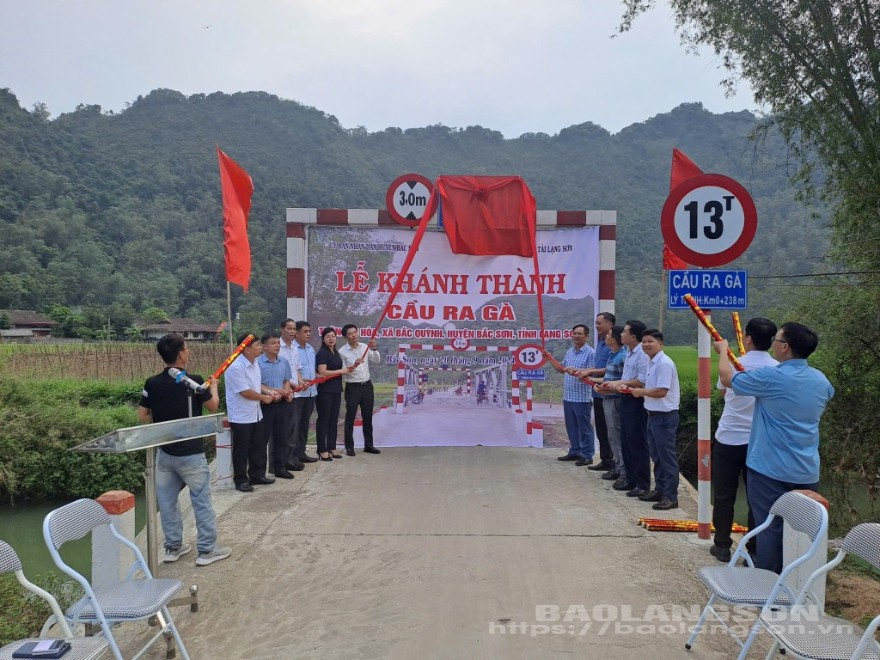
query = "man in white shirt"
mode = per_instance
[
  {"x": 290, "y": 353},
  {"x": 732, "y": 439},
  {"x": 358, "y": 388},
  {"x": 661, "y": 394},
  {"x": 244, "y": 394}
]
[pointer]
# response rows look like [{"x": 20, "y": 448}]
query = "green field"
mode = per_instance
[{"x": 685, "y": 358}]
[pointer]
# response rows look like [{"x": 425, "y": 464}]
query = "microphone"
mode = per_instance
[{"x": 181, "y": 377}]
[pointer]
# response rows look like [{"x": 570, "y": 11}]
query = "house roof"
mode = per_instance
[
  {"x": 27, "y": 318},
  {"x": 181, "y": 325}
]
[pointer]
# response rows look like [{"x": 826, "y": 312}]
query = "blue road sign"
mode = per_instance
[
  {"x": 531, "y": 374},
  {"x": 712, "y": 289}
]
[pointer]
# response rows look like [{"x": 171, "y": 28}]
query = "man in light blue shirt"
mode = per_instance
[
  {"x": 577, "y": 398},
  {"x": 783, "y": 450},
  {"x": 304, "y": 400}
]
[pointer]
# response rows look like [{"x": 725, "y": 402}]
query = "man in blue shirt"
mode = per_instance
[
  {"x": 577, "y": 398},
  {"x": 783, "y": 450},
  {"x": 275, "y": 376},
  {"x": 604, "y": 323},
  {"x": 304, "y": 400}
]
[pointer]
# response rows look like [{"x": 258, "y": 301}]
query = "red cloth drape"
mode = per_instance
[
  {"x": 488, "y": 215},
  {"x": 683, "y": 168},
  {"x": 238, "y": 188}
]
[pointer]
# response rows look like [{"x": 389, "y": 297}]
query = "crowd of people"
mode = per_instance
[
  {"x": 768, "y": 433},
  {"x": 272, "y": 389},
  {"x": 623, "y": 396}
]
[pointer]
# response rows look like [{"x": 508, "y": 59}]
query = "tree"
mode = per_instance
[
  {"x": 815, "y": 66},
  {"x": 5, "y": 321}
]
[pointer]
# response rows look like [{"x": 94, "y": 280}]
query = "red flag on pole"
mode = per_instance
[
  {"x": 683, "y": 168},
  {"x": 237, "y": 187}
]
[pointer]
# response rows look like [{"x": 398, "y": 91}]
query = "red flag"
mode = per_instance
[
  {"x": 683, "y": 168},
  {"x": 488, "y": 215},
  {"x": 237, "y": 187}
]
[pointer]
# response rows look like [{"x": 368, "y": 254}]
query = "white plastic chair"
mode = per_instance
[
  {"x": 804, "y": 631},
  {"x": 81, "y": 648},
  {"x": 757, "y": 587},
  {"x": 129, "y": 600}
]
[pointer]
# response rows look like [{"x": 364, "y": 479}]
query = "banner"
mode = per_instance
[{"x": 478, "y": 308}]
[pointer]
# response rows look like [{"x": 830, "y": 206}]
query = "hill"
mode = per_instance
[{"x": 116, "y": 213}]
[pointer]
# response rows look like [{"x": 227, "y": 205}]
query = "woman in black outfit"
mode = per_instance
[{"x": 328, "y": 363}]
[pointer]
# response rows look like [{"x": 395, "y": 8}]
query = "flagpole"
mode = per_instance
[
  {"x": 662, "y": 299},
  {"x": 229, "y": 315}
]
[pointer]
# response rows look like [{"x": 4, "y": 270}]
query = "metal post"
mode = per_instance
[
  {"x": 152, "y": 511},
  {"x": 704, "y": 423}
]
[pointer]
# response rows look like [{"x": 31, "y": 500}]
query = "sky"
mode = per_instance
[{"x": 509, "y": 65}]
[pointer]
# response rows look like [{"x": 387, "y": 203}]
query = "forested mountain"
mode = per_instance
[{"x": 116, "y": 213}]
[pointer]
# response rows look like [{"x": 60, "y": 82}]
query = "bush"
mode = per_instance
[
  {"x": 43, "y": 419},
  {"x": 22, "y": 613}
]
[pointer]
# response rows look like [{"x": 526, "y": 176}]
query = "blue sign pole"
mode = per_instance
[{"x": 712, "y": 289}]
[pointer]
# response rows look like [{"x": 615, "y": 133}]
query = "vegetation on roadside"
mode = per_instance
[
  {"x": 43, "y": 419},
  {"x": 22, "y": 613}
]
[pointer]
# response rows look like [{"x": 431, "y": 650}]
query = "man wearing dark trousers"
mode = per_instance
[
  {"x": 604, "y": 323},
  {"x": 633, "y": 428},
  {"x": 244, "y": 394},
  {"x": 358, "y": 387},
  {"x": 662, "y": 395},
  {"x": 784, "y": 442},
  {"x": 304, "y": 400},
  {"x": 275, "y": 375},
  {"x": 732, "y": 440}
]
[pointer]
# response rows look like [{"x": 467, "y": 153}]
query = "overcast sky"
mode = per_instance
[{"x": 510, "y": 65}]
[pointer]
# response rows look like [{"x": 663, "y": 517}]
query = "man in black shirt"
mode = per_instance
[{"x": 182, "y": 463}]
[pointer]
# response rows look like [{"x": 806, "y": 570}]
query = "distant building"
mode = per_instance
[
  {"x": 25, "y": 324},
  {"x": 191, "y": 330}
]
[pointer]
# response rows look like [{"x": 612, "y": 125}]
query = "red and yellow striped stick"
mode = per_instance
[
  {"x": 250, "y": 339},
  {"x": 689, "y": 299},
  {"x": 661, "y": 525},
  {"x": 738, "y": 329}
]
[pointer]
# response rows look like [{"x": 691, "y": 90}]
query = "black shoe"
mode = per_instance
[
  {"x": 349, "y": 452},
  {"x": 569, "y": 457},
  {"x": 721, "y": 554},
  {"x": 326, "y": 458},
  {"x": 636, "y": 492},
  {"x": 295, "y": 467},
  {"x": 622, "y": 484},
  {"x": 584, "y": 461},
  {"x": 283, "y": 474},
  {"x": 653, "y": 496},
  {"x": 611, "y": 475},
  {"x": 332, "y": 455},
  {"x": 665, "y": 504},
  {"x": 308, "y": 459},
  {"x": 371, "y": 450},
  {"x": 601, "y": 466},
  {"x": 262, "y": 481},
  {"x": 244, "y": 488}
]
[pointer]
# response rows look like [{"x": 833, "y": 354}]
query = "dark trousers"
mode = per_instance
[
  {"x": 763, "y": 492},
  {"x": 634, "y": 442},
  {"x": 728, "y": 463},
  {"x": 328, "y": 404},
  {"x": 605, "y": 453},
  {"x": 358, "y": 395},
  {"x": 299, "y": 426},
  {"x": 276, "y": 420},
  {"x": 248, "y": 452},
  {"x": 662, "y": 431}
]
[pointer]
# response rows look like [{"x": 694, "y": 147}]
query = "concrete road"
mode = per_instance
[{"x": 446, "y": 553}]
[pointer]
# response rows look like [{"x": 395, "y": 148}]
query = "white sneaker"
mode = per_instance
[
  {"x": 216, "y": 554},
  {"x": 173, "y": 554}
]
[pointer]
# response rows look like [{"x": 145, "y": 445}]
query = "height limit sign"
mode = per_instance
[
  {"x": 407, "y": 198},
  {"x": 709, "y": 220}
]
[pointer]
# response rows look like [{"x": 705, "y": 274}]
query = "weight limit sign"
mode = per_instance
[{"x": 709, "y": 220}]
